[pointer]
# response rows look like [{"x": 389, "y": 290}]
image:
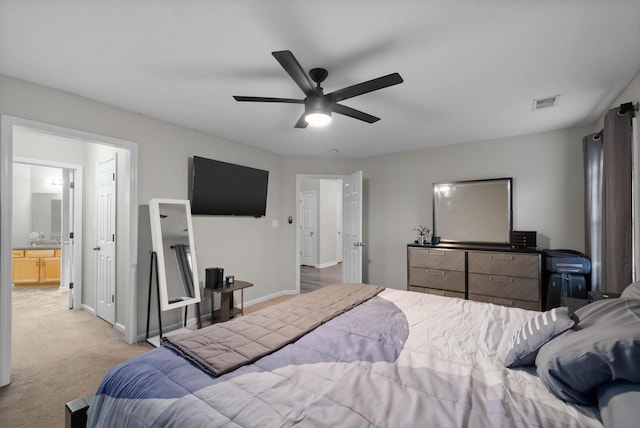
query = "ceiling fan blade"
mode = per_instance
[
  {"x": 356, "y": 114},
  {"x": 301, "y": 123},
  {"x": 268, "y": 99},
  {"x": 295, "y": 70},
  {"x": 364, "y": 87}
]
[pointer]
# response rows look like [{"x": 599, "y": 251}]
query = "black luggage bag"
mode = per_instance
[
  {"x": 567, "y": 274},
  {"x": 567, "y": 261}
]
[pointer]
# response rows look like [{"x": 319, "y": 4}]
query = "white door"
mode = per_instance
[
  {"x": 352, "y": 228},
  {"x": 339, "y": 228},
  {"x": 308, "y": 228},
  {"x": 67, "y": 247},
  {"x": 105, "y": 248}
]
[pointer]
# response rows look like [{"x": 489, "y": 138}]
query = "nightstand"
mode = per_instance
[
  {"x": 572, "y": 303},
  {"x": 601, "y": 295}
]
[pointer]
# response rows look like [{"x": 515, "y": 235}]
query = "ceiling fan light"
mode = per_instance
[{"x": 318, "y": 119}]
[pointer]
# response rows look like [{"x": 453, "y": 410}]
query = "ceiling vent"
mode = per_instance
[{"x": 545, "y": 102}]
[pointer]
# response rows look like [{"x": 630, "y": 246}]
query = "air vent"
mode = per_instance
[{"x": 545, "y": 102}]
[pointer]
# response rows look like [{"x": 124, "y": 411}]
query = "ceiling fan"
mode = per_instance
[{"x": 318, "y": 106}]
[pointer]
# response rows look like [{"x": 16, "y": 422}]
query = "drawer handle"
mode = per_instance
[
  {"x": 501, "y": 278},
  {"x": 436, "y": 253},
  {"x": 500, "y": 257},
  {"x": 435, "y": 272},
  {"x": 501, "y": 301}
]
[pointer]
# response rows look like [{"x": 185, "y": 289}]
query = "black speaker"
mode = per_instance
[{"x": 214, "y": 277}]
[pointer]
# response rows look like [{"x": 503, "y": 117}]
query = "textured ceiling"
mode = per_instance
[{"x": 471, "y": 68}]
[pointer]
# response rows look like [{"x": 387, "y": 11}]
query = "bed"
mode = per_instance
[{"x": 395, "y": 359}]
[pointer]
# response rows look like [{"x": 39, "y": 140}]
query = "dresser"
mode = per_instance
[
  {"x": 504, "y": 276},
  {"x": 437, "y": 271}
]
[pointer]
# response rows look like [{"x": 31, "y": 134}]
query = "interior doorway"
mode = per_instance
[
  {"x": 47, "y": 215},
  {"x": 128, "y": 220},
  {"x": 320, "y": 231}
]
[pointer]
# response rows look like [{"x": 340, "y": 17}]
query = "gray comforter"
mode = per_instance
[{"x": 400, "y": 359}]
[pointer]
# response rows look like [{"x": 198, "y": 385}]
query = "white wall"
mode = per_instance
[
  {"x": 326, "y": 225},
  {"x": 249, "y": 248},
  {"x": 547, "y": 193},
  {"x": 546, "y": 167},
  {"x": 329, "y": 190},
  {"x": 21, "y": 209}
]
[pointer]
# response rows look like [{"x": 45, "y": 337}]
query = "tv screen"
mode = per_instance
[{"x": 221, "y": 188}]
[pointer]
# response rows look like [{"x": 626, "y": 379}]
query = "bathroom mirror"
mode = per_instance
[
  {"x": 46, "y": 215},
  {"x": 172, "y": 239}
]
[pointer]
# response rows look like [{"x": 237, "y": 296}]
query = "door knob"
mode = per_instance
[{"x": 96, "y": 248}]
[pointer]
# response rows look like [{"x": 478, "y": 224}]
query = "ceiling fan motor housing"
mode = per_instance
[{"x": 317, "y": 104}]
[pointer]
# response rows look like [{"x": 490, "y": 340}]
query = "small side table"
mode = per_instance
[
  {"x": 227, "y": 310},
  {"x": 601, "y": 295},
  {"x": 572, "y": 303}
]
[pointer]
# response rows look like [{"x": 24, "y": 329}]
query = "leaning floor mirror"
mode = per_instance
[{"x": 173, "y": 244}]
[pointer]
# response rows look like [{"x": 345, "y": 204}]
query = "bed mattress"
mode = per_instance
[{"x": 400, "y": 359}]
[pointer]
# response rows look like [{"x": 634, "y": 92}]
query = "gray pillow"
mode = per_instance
[
  {"x": 632, "y": 291},
  {"x": 618, "y": 402},
  {"x": 535, "y": 333},
  {"x": 603, "y": 347}
]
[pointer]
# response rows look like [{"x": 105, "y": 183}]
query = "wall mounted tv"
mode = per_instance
[
  {"x": 474, "y": 211},
  {"x": 226, "y": 189}
]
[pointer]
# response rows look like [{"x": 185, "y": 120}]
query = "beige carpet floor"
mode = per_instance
[{"x": 59, "y": 355}]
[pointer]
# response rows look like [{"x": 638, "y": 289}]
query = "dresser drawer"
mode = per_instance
[
  {"x": 436, "y": 278},
  {"x": 437, "y": 292},
  {"x": 509, "y": 287},
  {"x": 508, "y": 264},
  {"x": 514, "y": 303},
  {"x": 437, "y": 259}
]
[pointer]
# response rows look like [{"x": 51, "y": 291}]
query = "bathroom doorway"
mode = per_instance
[{"x": 47, "y": 226}]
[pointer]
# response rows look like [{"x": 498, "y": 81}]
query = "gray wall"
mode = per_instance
[
  {"x": 326, "y": 218},
  {"x": 546, "y": 167}
]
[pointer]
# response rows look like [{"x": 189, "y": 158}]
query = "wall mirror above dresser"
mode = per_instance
[
  {"x": 475, "y": 259},
  {"x": 473, "y": 211}
]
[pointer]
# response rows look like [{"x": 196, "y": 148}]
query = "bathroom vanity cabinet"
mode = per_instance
[{"x": 37, "y": 266}]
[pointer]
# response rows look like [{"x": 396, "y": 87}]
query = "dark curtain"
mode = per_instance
[
  {"x": 592, "y": 147},
  {"x": 617, "y": 251}
]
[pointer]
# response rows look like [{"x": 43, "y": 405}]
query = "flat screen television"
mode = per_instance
[
  {"x": 473, "y": 211},
  {"x": 227, "y": 189}
]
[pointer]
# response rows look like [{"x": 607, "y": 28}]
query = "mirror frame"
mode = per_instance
[
  {"x": 491, "y": 210},
  {"x": 158, "y": 248}
]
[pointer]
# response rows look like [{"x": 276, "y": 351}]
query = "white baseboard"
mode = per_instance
[
  {"x": 120, "y": 328},
  {"x": 269, "y": 297},
  {"x": 324, "y": 265},
  {"x": 165, "y": 330},
  {"x": 88, "y": 309},
  {"x": 207, "y": 316}
]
